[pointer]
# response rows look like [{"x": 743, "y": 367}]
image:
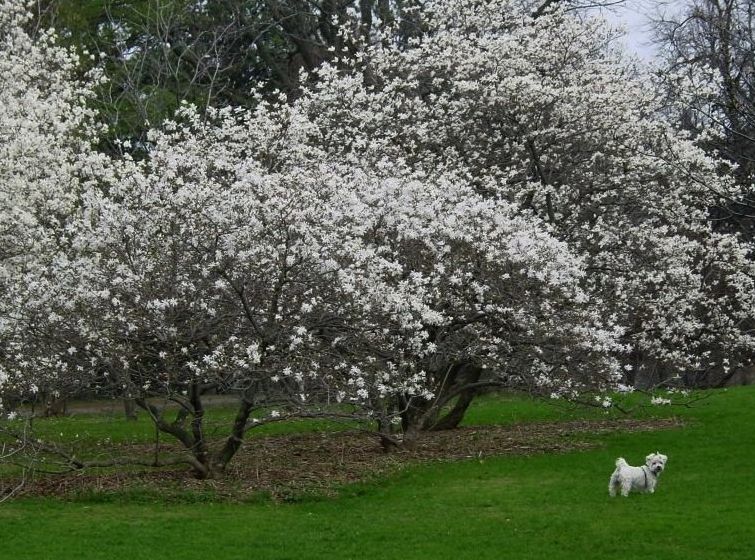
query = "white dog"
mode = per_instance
[{"x": 640, "y": 479}]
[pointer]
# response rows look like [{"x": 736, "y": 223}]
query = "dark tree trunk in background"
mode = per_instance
[
  {"x": 55, "y": 406},
  {"x": 129, "y": 409}
]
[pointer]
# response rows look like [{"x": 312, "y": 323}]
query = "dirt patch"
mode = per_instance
[{"x": 287, "y": 466}]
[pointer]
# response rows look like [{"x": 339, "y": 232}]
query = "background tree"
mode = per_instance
[
  {"x": 214, "y": 53},
  {"x": 712, "y": 42}
]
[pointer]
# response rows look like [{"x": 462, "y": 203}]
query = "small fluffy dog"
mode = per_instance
[{"x": 641, "y": 479}]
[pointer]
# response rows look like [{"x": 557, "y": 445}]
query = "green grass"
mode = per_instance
[
  {"x": 506, "y": 409},
  {"x": 90, "y": 428},
  {"x": 541, "y": 506}
]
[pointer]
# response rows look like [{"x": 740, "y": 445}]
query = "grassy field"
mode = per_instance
[{"x": 539, "y": 506}]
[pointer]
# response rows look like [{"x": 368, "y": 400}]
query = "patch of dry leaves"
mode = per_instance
[{"x": 321, "y": 462}]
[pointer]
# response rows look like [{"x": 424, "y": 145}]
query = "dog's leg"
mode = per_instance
[
  {"x": 626, "y": 486},
  {"x": 613, "y": 484}
]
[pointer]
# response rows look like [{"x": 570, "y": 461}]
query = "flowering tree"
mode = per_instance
[
  {"x": 445, "y": 291},
  {"x": 543, "y": 113},
  {"x": 45, "y": 160},
  {"x": 197, "y": 271}
]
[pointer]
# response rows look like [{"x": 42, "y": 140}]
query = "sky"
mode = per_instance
[{"x": 636, "y": 15}]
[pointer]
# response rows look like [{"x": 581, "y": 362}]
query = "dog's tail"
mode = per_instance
[{"x": 620, "y": 462}]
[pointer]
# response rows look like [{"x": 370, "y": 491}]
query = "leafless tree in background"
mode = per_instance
[{"x": 719, "y": 35}]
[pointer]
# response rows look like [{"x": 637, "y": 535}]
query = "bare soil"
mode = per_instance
[{"x": 289, "y": 466}]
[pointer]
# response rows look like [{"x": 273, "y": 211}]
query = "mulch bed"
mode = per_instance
[{"x": 320, "y": 463}]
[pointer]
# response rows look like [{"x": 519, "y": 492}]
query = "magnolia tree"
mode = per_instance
[
  {"x": 46, "y": 162},
  {"x": 191, "y": 270},
  {"x": 705, "y": 35},
  {"x": 208, "y": 271},
  {"x": 241, "y": 256},
  {"x": 46, "y": 159},
  {"x": 448, "y": 291},
  {"x": 542, "y": 113}
]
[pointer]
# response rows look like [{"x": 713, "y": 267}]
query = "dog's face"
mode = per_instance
[{"x": 656, "y": 462}]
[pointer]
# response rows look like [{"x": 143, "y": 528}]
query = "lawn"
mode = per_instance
[{"x": 538, "y": 506}]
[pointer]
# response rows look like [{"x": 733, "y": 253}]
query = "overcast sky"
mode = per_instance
[{"x": 636, "y": 15}]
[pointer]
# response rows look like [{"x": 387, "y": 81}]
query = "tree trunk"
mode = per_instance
[
  {"x": 465, "y": 375},
  {"x": 55, "y": 407},
  {"x": 129, "y": 408},
  {"x": 454, "y": 417},
  {"x": 412, "y": 435},
  {"x": 235, "y": 439},
  {"x": 424, "y": 415},
  {"x": 197, "y": 448},
  {"x": 129, "y": 401},
  {"x": 200, "y": 448}
]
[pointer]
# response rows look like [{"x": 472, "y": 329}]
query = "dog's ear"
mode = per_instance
[
  {"x": 663, "y": 458},
  {"x": 649, "y": 458}
]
